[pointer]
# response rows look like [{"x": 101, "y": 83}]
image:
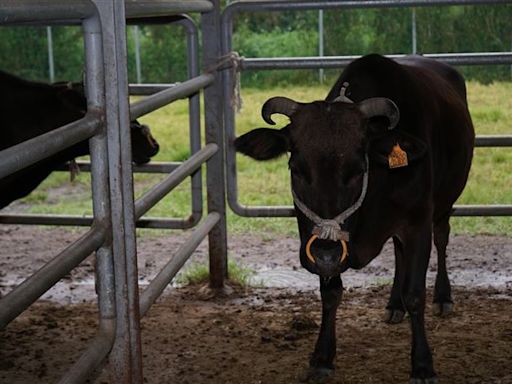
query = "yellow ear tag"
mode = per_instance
[{"x": 398, "y": 157}]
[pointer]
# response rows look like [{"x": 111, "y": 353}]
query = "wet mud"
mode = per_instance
[{"x": 264, "y": 333}]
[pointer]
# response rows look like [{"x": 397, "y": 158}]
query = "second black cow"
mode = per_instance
[
  {"x": 385, "y": 155},
  {"x": 29, "y": 109}
]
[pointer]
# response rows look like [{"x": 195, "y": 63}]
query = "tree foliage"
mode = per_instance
[{"x": 447, "y": 29}]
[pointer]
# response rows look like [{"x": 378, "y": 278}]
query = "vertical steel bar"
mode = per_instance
[
  {"x": 194, "y": 114},
  {"x": 210, "y": 23},
  {"x": 51, "y": 67},
  {"x": 321, "y": 41},
  {"x": 136, "y": 39},
  {"x": 99, "y": 167},
  {"x": 229, "y": 117},
  {"x": 413, "y": 32},
  {"x": 126, "y": 364},
  {"x": 124, "y": 168}
]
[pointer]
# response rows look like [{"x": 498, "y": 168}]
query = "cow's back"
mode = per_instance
[
  {"x": 29, "y": 109},
  {"x": 452, "y": 138},
  {"x": 431, "y": 97}
]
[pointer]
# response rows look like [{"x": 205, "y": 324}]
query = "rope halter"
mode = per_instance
[{"x": 330, "y": 229}]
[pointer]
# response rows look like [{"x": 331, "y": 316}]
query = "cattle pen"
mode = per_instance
[{"x": 212, "y": 69}]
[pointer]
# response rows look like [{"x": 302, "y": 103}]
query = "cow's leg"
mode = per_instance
[
  {"x": 395, "y": 310},
  {"x": 417, "y": 247},
  {"x": 443, "y": 304},
  {"x": 321, "y": 364}
]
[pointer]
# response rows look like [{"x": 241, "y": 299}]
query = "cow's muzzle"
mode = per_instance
[{"x": 326, "y": 267}]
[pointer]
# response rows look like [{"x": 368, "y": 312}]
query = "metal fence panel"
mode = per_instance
[
  {"x": 231, "y": 11},
  {"x": 113, "y": 225}
]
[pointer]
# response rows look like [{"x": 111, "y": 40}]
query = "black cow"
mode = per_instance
[
  {"x": 385, "y": 155},
  {"x": 29, "y": 109}
]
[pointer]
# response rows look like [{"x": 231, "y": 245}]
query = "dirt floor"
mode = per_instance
[{"x": 263, "y": 334}]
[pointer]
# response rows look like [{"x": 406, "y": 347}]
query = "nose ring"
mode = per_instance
[{"x": 310, "y": 255}]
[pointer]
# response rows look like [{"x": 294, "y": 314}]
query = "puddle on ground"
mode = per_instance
[
  {"x": 69, "y": 292},
  {"x": 301, "y": 279}
]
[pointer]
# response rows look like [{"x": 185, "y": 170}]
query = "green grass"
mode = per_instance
[
  {"x": 198, "y": 273},
  {"x": 267, "y": 183}
]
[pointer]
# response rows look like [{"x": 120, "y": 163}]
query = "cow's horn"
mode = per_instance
[
  {"x": 282, "y": 105},
  {"x": 381, "y": 106}
]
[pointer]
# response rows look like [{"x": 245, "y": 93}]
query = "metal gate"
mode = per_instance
[
  {"x": 229, "y": 15},
  {"x": 106, "y": 125}
]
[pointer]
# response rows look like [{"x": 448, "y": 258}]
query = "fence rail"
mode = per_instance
[
  {"x": 234, "y": 9},
  {"x": 106, "y": 125}
]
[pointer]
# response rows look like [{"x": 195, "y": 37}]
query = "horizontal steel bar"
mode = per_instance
[
  {"x": 283, "y": 5},
  {"x": 241, "y": 210},
  {"x": 158, "y": 223},
  {"x": 493, "y": 141},
  {"x": 46, "y": 219},
  {"x": 93, "y": 356},
  {"x": 482, "y": 210},
  {"x": 162, "y": 98},
  {"x": 153, "y": 167},
  {"x": 86, "y": 221},
  {"x": 33, "y": 287},
  {"x": 261, "y": 210},
  {"x": 484, "y": 58},
  {"x": 152, "y": 8},
  {"x": 40, "y": 147},
  {"x": 189, "y": 166},
  {"x": 288, "y": 211},
  {"x": 165, "y": 276},
  {"x": 45, "y": 11},
  {"x": 148, "y": 89},
  {"x": 23, "y": 11}
]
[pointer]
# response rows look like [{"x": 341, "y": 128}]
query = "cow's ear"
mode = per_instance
[
  {"x": 263, "y": 143},
  {"x": 382, "y": 146}
]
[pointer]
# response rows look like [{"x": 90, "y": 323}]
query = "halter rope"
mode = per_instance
[{"x": 330, "y": 229}]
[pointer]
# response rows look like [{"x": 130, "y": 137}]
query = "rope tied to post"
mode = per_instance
[{"x": 233, "y": 61}]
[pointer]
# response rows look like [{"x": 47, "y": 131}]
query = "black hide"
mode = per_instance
[
  {"x": 30, "y": 109},
  {"x": 328, "y": 140}
]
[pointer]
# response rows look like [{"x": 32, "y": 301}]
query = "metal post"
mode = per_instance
[
  {"x": 413, "y": 32},
  {"x": 136, "y": 38},
  {"x": 95, "y": 85},
  {"x": 213, "y": 108},
  {"x": 51, "y": 67},
  {"x": 125, "y": 357},
  {"x": 321, "y": 41},
  {"x": 194, "y": 105}
]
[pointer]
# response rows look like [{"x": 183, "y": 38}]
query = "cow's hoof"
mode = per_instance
[
  {"x": 442, "y": 309},
  {"x": 394, "y": 316},
  {"x": 430, "y": 380},
  {"x": 317, "y": 375}
]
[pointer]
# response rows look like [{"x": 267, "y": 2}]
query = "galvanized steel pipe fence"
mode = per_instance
[
  {"x": 115, "y": 212},
  {"x": 190, "y": 89},
  {"x": 234, "y": 9}
]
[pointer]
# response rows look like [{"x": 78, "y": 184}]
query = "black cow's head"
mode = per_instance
[
  {"x": 329, "y": 145},
  {"x": 144, "y": 145}
]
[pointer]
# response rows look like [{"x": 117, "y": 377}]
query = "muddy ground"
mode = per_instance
[{"x": 262, "y": 334}]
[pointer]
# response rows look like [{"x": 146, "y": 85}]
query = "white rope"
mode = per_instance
[{"x": 233, "y": 61}]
